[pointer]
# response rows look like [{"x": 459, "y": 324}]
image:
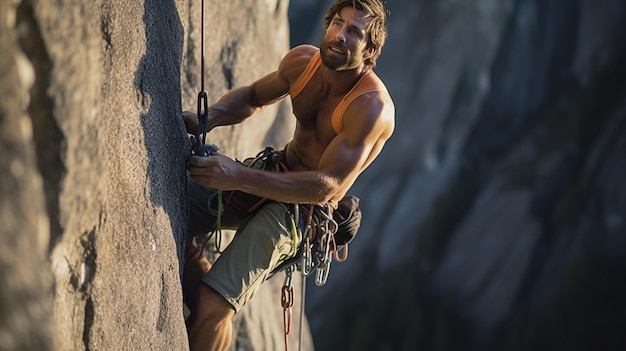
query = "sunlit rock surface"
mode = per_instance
[{"x": 93, "y": 159}]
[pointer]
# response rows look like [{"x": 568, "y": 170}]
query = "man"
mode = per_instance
[{"x": 344, "y": 117}]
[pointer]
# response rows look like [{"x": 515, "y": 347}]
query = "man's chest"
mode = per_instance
[{"x": 314, "y": 108}]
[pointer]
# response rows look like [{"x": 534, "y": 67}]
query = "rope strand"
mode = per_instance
[{"x": 202, "y": 48}]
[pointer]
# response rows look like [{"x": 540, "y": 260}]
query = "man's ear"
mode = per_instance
[{"x": 368, "y": 53}]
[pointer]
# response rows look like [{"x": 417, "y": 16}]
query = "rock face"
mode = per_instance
[
  {"x": 496, "y": 216},
  {"x": 24, "y": 235},
  {"x": 93, "y": 157}
]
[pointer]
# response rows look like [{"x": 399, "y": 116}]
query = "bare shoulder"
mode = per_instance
[
  {"x": 372, "y": 112},
  {"x": 304, "y": 52},
  {"x": 295, "y": 61}
]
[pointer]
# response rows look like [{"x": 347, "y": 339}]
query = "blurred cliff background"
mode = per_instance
[{"x": 495, "y": 218}]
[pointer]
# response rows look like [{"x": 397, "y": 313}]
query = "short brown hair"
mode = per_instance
[{"x": 377, "y": 29}]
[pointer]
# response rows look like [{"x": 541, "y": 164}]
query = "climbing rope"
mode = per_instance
[
  {"x": 199, "y": 141},
  {"x": 201, "y": 148},
  {"x": 217, "y": 230}
]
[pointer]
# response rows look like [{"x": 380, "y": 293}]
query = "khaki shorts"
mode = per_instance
[{"x": 260, "y": 245}]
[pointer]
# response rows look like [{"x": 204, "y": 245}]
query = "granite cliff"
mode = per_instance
[{"x": 92, "y": 165}]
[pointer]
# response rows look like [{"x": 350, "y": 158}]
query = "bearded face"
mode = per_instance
[
  {"x": 344, "y": 44},
  {"x": 337, "y": 56}
]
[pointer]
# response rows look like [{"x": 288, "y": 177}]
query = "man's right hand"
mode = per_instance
[{"x": 191, "y": 122}]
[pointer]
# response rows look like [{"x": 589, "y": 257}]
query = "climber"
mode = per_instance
[{"x": 344, "y": 115}]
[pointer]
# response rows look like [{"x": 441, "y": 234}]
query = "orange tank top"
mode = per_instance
[{"x": 369, "y": 82}]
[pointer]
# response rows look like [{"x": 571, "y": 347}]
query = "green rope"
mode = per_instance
[
  {"x": 218, "y": 224},
  {"x": 294, "y": 241}
]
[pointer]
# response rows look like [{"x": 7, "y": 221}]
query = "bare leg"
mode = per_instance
[
  {"x": 196, "y": 267},
  {"x": 210, "y": 327}
]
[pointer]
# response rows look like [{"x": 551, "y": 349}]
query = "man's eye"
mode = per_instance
[{"x": 356, "y": 33}]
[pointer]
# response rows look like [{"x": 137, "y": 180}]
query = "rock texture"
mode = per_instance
[
  {"x": 495, "y": 218},
  {"x": 24, "y": 234},
  {"x": 92, "y": 176}
]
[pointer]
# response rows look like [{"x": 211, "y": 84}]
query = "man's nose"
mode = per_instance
[{"x": 341, "y": 35}]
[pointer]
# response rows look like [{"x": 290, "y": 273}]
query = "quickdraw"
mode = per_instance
[
  {"x": 318, "y": 250},
  {"x": 319, "y": 245},
  {"x": 286, "y": 300}
]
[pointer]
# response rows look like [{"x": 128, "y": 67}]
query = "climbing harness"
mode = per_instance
[
  {"x": 315, "y": 226},
  {"x": 313, "y": 230}
]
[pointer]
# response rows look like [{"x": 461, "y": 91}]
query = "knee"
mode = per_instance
[{"x": 211, "y": 305}]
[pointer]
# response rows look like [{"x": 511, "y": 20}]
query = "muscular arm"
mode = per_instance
[
  {"x": 232, "y": 108},
  {"x": 238, "y": 104},
  {"x": 368, "y": 124},
  {"x": 294, "y": 187}
]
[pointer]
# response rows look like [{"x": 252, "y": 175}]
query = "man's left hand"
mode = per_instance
[{"x": 217, "y": 171}]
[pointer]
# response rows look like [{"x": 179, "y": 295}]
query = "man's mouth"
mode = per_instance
[{"x": 337, "y": 50}]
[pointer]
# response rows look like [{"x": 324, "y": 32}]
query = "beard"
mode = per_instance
[{"x": 336, "y": 61}]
